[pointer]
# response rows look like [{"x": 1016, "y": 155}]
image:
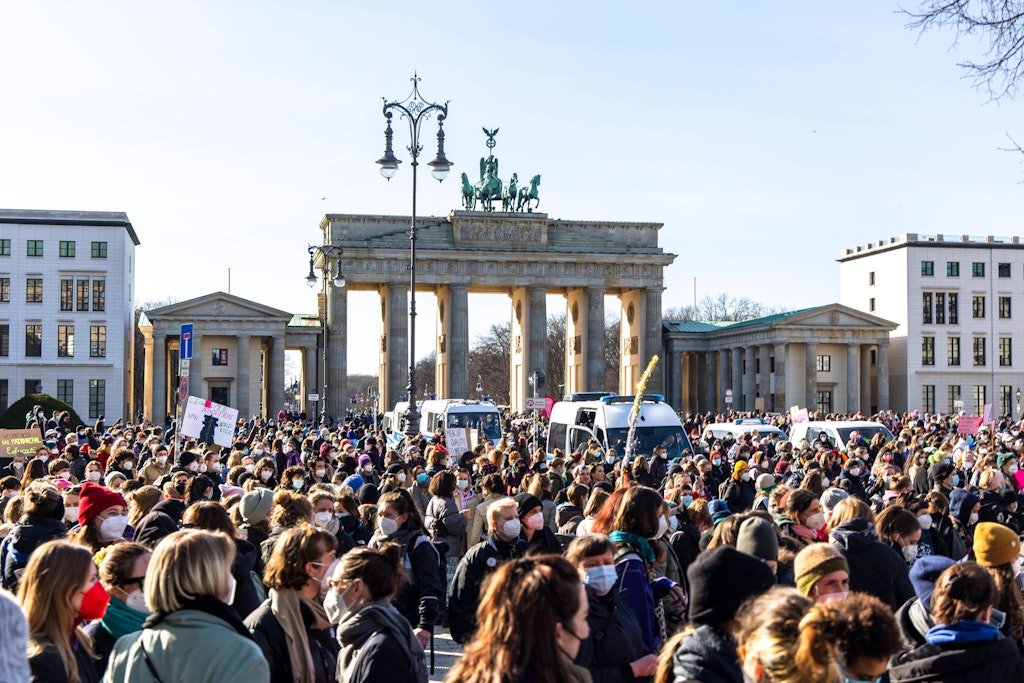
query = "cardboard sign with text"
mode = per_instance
[
  {"x": 19, "y": 442},
  {"x": 196, "y": 425},
  {"x": 457, "y": 440}
]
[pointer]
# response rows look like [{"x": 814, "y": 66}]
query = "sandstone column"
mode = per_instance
[
  {"x": 242, "y": 375},
  {"x": 811, "y": 375}
]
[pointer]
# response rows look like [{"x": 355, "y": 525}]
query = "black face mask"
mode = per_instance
[{"x": 180, "y": 488}]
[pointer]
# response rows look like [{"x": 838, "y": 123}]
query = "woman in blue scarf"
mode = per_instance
[
  {"x": 963, "y": 646},
  {"x": 122, "y": 572}
]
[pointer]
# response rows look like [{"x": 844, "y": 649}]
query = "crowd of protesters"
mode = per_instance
[{"x": 317, "y": 553}]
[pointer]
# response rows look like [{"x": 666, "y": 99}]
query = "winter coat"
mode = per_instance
[
  {"x": 914, "y": 621},
  {"x": 478, "y": 525},
  {"x": 420, "y": 596},
  {"x": 615, "y": 640},
  {"x": 739, "y": 495},
  {"x": 544, "y": 542},
  {"x": 856, "y": 486},
  {"x": 446, "y": 524},
  {"x": 21, "y": 541},
  {"x": 707, "y": 655},
  {"x": 474, "y": 567},
  {"x": 271, "y": 637},
  {"x": 377, "y": 644},
  {"x": 188, "y": 646},
  {"x": 246, "y": 557},
  {"x": 945, "y": 534},
  {"x": 46, "y": 666},
  {"x": 875, "y": 568},
  {"x": 641, "y": 594},
  {"x": 568, "y": 517},
  {"x": 992, "y": 661}
]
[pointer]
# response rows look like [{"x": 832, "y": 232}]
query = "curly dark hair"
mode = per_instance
[{"x": 861, "y": 626}]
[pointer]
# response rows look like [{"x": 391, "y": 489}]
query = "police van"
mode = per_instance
[
  {"x": 448, "y": 413},
  {"x": 605, "y": 417},
  {"x": 740, "y": 427}
]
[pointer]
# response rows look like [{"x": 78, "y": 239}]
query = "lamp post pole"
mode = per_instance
[
  {"x": 338, "y": 281},
  {"x": 415, "y": 110}
]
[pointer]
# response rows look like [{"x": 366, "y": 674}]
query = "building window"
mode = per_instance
[
  {"x": 33, "y": 386},
  {"x": 98, "y": 341},
  {"x": 824, "y": 363},
  {"x": 66, "y": 249},
  {"x": 874, "y": 357},
  {"x": 1004, "y": 306},
  {"x": 1005, "y": 400},
  {"x": 34, "y": 290},
  {"x": 1005, "y": 352},
  {"x": 926, "y": 312},
  {"x": 220, "y": 357},
  {"x": 1004, "y": 270},
  {"x": 871, "y": 279},
  {"x": 977, "y": 269},
  {"x": 67, "y": 295},
  {"x": 5, "y": 247},
  {"x": 823, "y": 398},
  {"x": 927, "y": 350},
  {"x": 956, "y": 403},
  {"x": 953, "y": 268},
  {"x": 978, "y": 306},
  {"x": 66, "y": 391},
  {"x": 99, "y": 250},
  {"x": 5, "y": 340},
  {"x": 871, "y": 305},
  {"x": 953, "y": 351},
  {"x": 980, "y": 398},
  {"x": 65, "y": 341},
  {"x": 4, "y": 394},
  {"x": 33, "y": 341},
  {"x": 940, "y": 307},
  {"x": 5, "y": 290},
  {"x": 954, "y": 308},
  {"x": 35, "y": 248},
  {"x": 979, "y": 351},
  {"x": 82, "y": 294},
  {"x": 97, "y": 398},
  {"x": 928, "y": 397},
  {"x": 927, "y": 268},
  {"x": 99, "y": 295}
]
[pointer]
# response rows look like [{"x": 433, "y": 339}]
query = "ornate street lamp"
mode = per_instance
[
  {"x": 338, "y": 281},
  {"x": 415, "y": 110}
]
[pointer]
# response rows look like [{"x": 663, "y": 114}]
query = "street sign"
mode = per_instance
[
  {"x": 535, "y": 403},
  {"x": 183, "y": 367},
  {"x": 185, "y": 347},
  {"x": 313, "y": 397},
  {"x": 183, "y": 388},
  {"x": 728, "y": 399},
  {"x": 728, "y": 393}
]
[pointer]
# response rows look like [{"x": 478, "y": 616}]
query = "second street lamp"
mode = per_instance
[
  {"x": 416, "y": 111},
  {"x": 325, "y": 251}
]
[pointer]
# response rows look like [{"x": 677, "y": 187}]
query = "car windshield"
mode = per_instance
[
  {"x": 867, "y": 433},
  {"x": 669, "y": 436},
  {"x": 485, "y": 422}
]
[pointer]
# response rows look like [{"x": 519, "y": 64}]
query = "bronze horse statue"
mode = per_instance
[
  {"x": 508, "y": 196},
  {"x": 468, "y": 194},
  {"x": 528, "y": 194}
]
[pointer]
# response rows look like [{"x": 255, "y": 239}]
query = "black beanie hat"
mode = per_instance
[
  {"x": 525, "y": 502},
  {"x": 722, "y": 579},
  {"x": 186, "y": 458}
]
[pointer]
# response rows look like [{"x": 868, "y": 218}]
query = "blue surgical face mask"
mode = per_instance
[
  {"x": 685, "y": 501},
  {"x": 956, "y": 480},
  {"x": 857, "y": 680}
]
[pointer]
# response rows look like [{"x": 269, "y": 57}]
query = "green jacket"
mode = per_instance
[{"x": 188, "y": 646}]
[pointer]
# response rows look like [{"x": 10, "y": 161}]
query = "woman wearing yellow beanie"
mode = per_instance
[{"x": 997, "y": 548}]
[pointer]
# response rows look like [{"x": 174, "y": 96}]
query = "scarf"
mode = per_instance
[
  {"x": 286, "y": 605},
  {"x": 963, "y": 632},
  {"x": 210, "y": 605},
  {"x": 638, "y": 543},
  {"x": 120, "y": 619}
]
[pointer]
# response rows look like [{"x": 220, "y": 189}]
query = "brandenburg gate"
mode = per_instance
[{"x": 523, "y": 255}]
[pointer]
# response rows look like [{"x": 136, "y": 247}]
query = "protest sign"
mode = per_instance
[
  {"x": 209, "y": 422},
  {"x": 19, "y": 442}
]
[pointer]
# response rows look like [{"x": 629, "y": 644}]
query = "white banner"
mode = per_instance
[{"x": 222, "y": 419}]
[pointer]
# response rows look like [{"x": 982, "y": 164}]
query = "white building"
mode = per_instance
[
  {"x": 955, "y": 301},
  {"x": 67, "y": 281}
]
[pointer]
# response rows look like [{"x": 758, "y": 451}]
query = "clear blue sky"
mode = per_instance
[{"x": 765, "y": 136}]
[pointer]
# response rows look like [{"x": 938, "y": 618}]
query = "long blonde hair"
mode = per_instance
[{"x": 55, "y": 572}]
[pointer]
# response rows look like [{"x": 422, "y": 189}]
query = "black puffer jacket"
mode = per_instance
[
  {"x": 875, "y": 568},
  {"x": 707, "y": 655},
  {"x": 270, "y": 635},
  {"x": 22, "y": 540},
  {"x": 615, "y": 640},
  {"x": 914, "y": 621},
  {"x": 420, "y": 596},
  {"x": 992, "y": 661},
  {"x": 246, "y": 599}
]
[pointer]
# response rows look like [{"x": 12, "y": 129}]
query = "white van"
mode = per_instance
[
  {"x": 838, "y": 433},
  {"x": 606, "y": 419},
  {"x": 391, "y": 423},
  {"x": 740, "y": 427},
  {"x": 482, "y": 416}
]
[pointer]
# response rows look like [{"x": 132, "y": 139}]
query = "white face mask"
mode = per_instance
[
  {"x": 973, "y": 518},
  {"x": 600, "y": 579},
  {"x": 816, "y": 521},
  {"x": 1012, "y": 469},
  {"x": 662, "y": 527},
  {"x": 266, "y": 474},
  {"x": 335, "y": 606},
  {"x": 249, "y": 468},
  {"x": 855, "y": 471},
  {"x": 401, "y": 477},
  {"x": 745, "y": 476},
  {"x": 161, "y": 460},
  {"x": 193, "y": 466},
  {"x": 825, "y": 482},
  {"x": 325, "y": 579},
  {"x": 232, "y": 585},
  {"x": 387, "y": 525},
  {"x": 535, "y": 521},
  {"x": 127, "y": 464},
  {"x": 321, "y": 473},
  {"x": 112, "y": 528},
  {"x": 925, "y": 521},
  {"x": 841, "y": 595},
  {"x": 297, "y": 484},
  {"x": 323, "y": 518},
  {"x": 136, "y": 600},
  {"x": 203, "y": 468},
  {"x": 910, "y": 552},
  {"x": 71, "y": 514},
  {"x": 511, "y": 528},
  {"x": 94, "y": 475}
]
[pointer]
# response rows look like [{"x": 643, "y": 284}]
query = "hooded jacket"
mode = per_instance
[
  {"x": 474, "y": 567},
  {"x": 22, "y": 540},
  {"x": 707, "y": 655},
  {"x": 615, "y": 640},
  {"x": 420, "y": 596},
  {"x": 996, "y": 660},
  {"x": 377, "y": 644},
  {"x": 875, "y": 568}
]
